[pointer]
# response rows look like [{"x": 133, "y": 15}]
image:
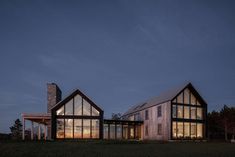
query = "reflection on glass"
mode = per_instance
[
  {"x": 198, "y": 103},
  {"x": 132, "y": 135},
  {"x": 86, "y": 128},
  {"x": 180, "y": 130},
  {"x": 69, "y": 108},
  {"x": 174, "y": 111},
  {"x": 106, "y": 131},
  {"x": 86, "y": 108},
  {"x": 95, "y": 128},
  {"x": 125, "y": 131},
  {"x": 137, "y": 132},
  {"x": 180, "y": 111},
  {"x": 186, "y": 112},
  {"x": 94, "y": 112},
  {"x": 193, "y": 99},
  {"x": 180, "y": 98},
  {"x": 174, "y": 130},
  {"x": 60, "y": 111},
  {"x": 199, "y": 113},
  {"x": 77, "y": 105},
  {"x": 112, "y": 131},
  {"x": 77, "y": 128},
  {"x": 199, "y": 130},
  {"x": 186, "y": 130},
  {"x": 119, "y": 131},
  {"x": 60, "y": 128},
  {"x": 193, "y": 130},
  {"x": 193, "y": 112},
  {"x": 186, "y": 96},
  {"x": 68, "y": 128}
]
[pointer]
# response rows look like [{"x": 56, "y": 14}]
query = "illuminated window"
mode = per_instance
[
  {"x": 193, "y": 99},
  {"x": 95, "y": 128},
  {"x": 60, "y": 128},
  {"x": 199, "y": 113},
  {"x": 180, "y": 130},
  {"x": 94, "y": 112},
  {"x": 77, "y": 128},
  {"x": 193, "y": 112},
  {"x": 199, "y": 130},
  {"x": 186, "y": 130},
  {"x": 119, "y": 131},
  {"x": 174, "y": 111},
  {"x": 125, "y": 131},
  {"x": 69, "y": 108},
  {"x": 131, "y": 132},
  {"x": 77, "y": 105},
  {"x": 186, "y": 112},
  {"x": 60, "y": 111},
  {"x": 106, "y": 131},
  {"x": 180, "y": 111},
  {"x": 112, "y": 131},
  {"x": 186, "y": 96},
  {"x": 86, "y": 108},
  {"x": 68, "y": 128},
  {"x": 174, "y": 130},
  {"x": 180, "y": 98},
  {"x": 198, "y": 103},
  {"x": 86, "y": 128},
  {"x": 193, "y": 130}
]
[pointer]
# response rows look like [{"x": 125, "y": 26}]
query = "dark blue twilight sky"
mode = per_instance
[{"x": 118, "y": 52}]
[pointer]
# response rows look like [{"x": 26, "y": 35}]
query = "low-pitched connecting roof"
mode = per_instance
[{"x": 164, "y": 97}]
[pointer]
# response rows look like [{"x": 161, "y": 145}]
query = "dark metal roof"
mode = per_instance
[{"x": 164, "y": 97}]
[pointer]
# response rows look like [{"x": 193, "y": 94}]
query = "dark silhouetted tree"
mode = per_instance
[
  {"x": 16, "y": 130},
  {"x": 116, "y": 116}
]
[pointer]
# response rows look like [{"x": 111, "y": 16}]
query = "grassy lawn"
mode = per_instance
[{"x": 115, "y": 149}]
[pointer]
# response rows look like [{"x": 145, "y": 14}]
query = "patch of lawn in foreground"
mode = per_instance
[{"x": 115, "y": 149}]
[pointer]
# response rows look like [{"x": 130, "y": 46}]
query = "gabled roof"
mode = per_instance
[
  {"x": 70, "y": 96},
  {"x": 164, "y": 97}
]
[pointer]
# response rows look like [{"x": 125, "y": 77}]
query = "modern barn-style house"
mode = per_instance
[{"x": 176, "y": 114}]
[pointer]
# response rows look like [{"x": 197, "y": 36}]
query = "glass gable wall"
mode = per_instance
[
  {"x": 188, "y": 121},
  {"x": 77, "y": 119}
]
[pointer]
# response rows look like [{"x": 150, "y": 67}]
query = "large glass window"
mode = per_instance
[
  {"x": 186, "y": 112},
  {"x": 77, "y": 128},
  {"x": 112, "y": 131},
  {"x": 186, "y": 130},
  {"x": 60, "y": 111},
  {"x": 106, "y": 131},
  {"x": 94, "y": 112},
  {"x": 199, "y": 130},
  {"x": 60, "y": 128},
  {"x": 125, "y": 131},
  {"x": 174, "y": 111},
  {"x": 193, "y": 99},
  {"x": 69, "y": 108},
  {"x": 180, "y": 98},
  {"x": 180, "y": 129},
  {"x": 95, "y": 128},
  {"x": 86, "y": 108},
  {"x": 193, "y": 130},
  {"x": 174, "y": 130},
  {"x": 186, "y": 96},
  {"x": 193, "y": 112},
  {"x": 199, "y": 113},
  {"x": 180, "y": 111},
  {"x": 77, "y": 105},
  {"x": 119, "y": 131},
  {"x": 86, "y": 128},
  {"x": 68, "y": 128}
]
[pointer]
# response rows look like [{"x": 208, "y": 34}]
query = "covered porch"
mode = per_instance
[{"x": 43, "y": 125}]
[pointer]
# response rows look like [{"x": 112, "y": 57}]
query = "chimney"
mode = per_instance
[{"x": 53, "y": 96}]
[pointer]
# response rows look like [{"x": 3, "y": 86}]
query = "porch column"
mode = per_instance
[
  {"x": 45, "y": 132},
  {"x": 31, "y": 130},
  {"x": 23, "y": 136},
  {"x": 39, "y": 131}
]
